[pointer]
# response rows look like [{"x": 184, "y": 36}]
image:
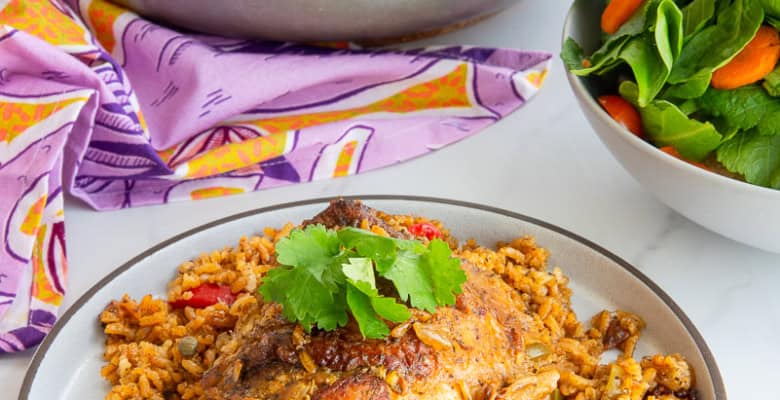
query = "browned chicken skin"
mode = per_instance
[
  {"x": 472, "y": 350},
  {"x": 362, "y": 386}
]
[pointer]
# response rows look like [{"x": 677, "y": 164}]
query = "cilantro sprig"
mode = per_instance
[{"x": 325, "y": 274}]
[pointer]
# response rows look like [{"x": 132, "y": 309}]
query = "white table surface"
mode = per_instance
[{"x": 544, "y": 161}]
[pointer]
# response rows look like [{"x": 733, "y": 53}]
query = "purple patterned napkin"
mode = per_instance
[{"x": 122, "y": 112}]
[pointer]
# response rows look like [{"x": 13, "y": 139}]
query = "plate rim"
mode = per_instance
[{"x": 43, "y": 347}]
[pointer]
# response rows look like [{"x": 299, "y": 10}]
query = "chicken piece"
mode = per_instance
[
  {"x": 345, "y": 213},
  {"x": 355, "y": 387},
  {"x": 474, "y": 349}
]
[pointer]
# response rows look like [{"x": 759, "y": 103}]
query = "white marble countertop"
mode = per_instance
[{"x": 543, "y": 161}]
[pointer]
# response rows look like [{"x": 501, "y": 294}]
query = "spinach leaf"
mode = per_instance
[
  {"x": 649, "y": 69},
  {"x": 728, "y": 131},
  {"x": 607, "y": 56},
  {"x": 629, "y": 91},
  {"x": 775, "y": 22},
  {"x": 690, "y": 89},
  {"x": 755, "y": 156},
  {"x": 668, "y": 31},
  {"x": 772, "y": 83},
  {"x": 572, "y": 54},
  {"x": 696, "y": 15},
  {"x": 771, "y": 8},
  {"x": 743, "y": 108},
  {"x": 652, "y": 55},
  {"x": 638, "y": 22},
  {"x": 667, "y": 125},
  {"x": 689, "y": 107},
  {"x": 737, "y": 21},
  {"x": 574, "y": 57}
]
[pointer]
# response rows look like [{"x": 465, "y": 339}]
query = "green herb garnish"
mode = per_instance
[{"x": 323, "y": 274}]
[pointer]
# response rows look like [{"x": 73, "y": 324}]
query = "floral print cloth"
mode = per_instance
[{"x": 122, "y": 112}]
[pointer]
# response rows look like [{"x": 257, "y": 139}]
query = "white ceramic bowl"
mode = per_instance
[{"x": 743, "y": 212}]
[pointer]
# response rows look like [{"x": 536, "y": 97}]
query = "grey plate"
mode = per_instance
[
  {"x": 67, "y": 364},
  {"x": 316, "y": 20}
]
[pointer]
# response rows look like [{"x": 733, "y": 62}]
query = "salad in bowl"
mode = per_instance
[{"x": 697, "y": 79}]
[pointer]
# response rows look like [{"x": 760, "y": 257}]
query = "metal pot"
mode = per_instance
[{"x": 318, "y": 20}]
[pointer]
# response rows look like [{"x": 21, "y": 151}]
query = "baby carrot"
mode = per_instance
[
  {"x": 753, "y": 63},
  {"x": 623, "y": 113},
  {"x": 616, "y": 13}
]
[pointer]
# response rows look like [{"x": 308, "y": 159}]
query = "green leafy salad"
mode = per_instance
[
  {"x": 698, "y": 79},
  {"x": 324, "y": 274}
]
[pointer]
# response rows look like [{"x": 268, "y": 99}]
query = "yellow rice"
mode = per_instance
[{"x": 143, "y": 360}]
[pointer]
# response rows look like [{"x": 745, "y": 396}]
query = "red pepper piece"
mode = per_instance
[
  {"x": 205, "y": 295},
  {"x": 426, "y": 229}
]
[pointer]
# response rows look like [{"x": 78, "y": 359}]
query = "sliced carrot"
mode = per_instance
[
  {"x": 617, "y": 13},
  {"x": 623, "y": 113},
  {"x": 753, "y": 63},
  {"x": 670, "y": 150}
]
